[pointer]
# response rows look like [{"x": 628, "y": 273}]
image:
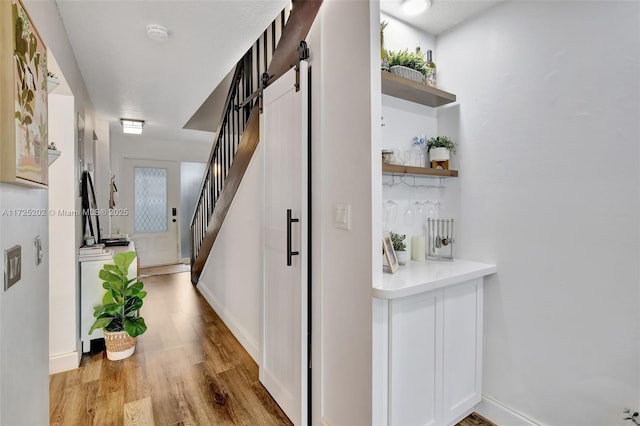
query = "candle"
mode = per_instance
[{"x": 417, "y": 248}]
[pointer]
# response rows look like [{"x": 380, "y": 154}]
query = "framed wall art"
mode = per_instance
[{"x": 23, "y": 99}]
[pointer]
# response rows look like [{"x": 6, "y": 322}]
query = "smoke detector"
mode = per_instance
[{"x": 157, "y": 32}]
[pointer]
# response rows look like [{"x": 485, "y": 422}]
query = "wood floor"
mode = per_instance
[
  {"x": 188, "y": 369},
  {"x": 475, "y": 419}
]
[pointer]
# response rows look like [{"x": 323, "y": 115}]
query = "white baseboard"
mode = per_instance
[
  {"x": 245, "y": 339},
  {"x": 64, "y": 362},
  {"x": 502, "y": 414}
]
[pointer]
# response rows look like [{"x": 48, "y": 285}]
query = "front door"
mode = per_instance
[
  {"x": 284, "y": 364},
  {"x": 152, "y": 193}
]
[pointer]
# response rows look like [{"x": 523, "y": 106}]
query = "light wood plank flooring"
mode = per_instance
[{"x": 188, "y": 369}]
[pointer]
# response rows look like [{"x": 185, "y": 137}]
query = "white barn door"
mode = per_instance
[{"x": 284, "y": 133}]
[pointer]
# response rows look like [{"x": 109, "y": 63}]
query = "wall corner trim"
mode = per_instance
[{"x": 502, "y": 414}]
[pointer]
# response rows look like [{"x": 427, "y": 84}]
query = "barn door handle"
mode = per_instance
[{"x": 290, "y": 253}]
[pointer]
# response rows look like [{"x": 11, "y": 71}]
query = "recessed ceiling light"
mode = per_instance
[
  {"x": 132, "y": 126},
  {"x": 414, "y": 7},
  {"x": 157, "y": 32}
]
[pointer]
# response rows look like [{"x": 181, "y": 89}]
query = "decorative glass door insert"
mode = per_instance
[{"x": 150, "y": 195}]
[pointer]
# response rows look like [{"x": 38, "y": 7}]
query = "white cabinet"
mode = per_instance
[
  {"x": 91, "y": 293},
  {"x": 462, "y": 347},
  {"x": 431, "y": 370},
  {"x": 415, "y": 359}
]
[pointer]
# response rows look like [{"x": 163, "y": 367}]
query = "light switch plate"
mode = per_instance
[
  {"x": 342, "y": 216},
  {"x": 38, "y": 243},
  {"x": 12, "y": 266}
]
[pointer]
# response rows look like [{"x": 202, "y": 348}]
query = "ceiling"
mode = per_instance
[
  {"x": 164, "y": 83},
  {"x": 171, "y": 84},
  {"x": 441, "y": 16}
]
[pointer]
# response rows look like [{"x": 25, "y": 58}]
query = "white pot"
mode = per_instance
[
  {"x": 403, "y": 257},
  {"x": 438, "y": 154},
  {"x": 119, "y": 345},
  {"x": 52, "y": 83},
  {"x": 53, "y": 155}
]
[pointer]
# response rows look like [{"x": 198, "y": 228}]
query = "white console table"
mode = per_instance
[
  {"x": 427, "y": 341},
  {"x": 91, "y": 292}
]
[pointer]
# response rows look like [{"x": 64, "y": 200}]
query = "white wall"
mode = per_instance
[
  {"x": 191, "y": 175},
  {"x": 549, "y": 100},
  {"x": 399, "y": 36},
  {"x": 63, "y": 317},
  {"x": 24, "y": 313},
  {"x": 342, "y": 266},
  {"x": 231, "y": 280}
]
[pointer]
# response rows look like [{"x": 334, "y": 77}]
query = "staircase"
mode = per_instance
[{"x": 238, "y": 134}]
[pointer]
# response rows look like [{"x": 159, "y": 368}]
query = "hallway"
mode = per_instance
[{"x": 188, "y": 369}]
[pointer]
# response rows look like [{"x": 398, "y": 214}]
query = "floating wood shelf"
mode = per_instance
[
  {"x": 403, "y": 88},
  {"x": 393, "y": 169}
]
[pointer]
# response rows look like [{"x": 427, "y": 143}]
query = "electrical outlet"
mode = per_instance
[{"x": 12, "y": 266}]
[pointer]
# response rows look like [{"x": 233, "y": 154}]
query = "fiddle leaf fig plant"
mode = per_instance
[{"x": 122, "y": 300}]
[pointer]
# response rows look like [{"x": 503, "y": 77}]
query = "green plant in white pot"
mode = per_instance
[
  {"x": 408, "y": 64},
  {"x": 440, "y": 148},
  {"x": 118, "y": 314},
  {"x": 400, "y": 247}
]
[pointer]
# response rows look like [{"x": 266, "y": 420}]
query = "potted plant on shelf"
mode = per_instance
[
  {"x": 52, "y": 81},
  {"x": 400, "y": 247},
  {"x": 384, "y": 55},
  {"x": 440, "y": 148},
  {"x": 118, "y": 314},
  {"x": 408, "y": 64},
  {"x": 53, "y": 152}
]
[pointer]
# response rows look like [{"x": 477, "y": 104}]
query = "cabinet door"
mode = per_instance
[
  {"x": 462, "y": 381},
  {"x": 415, "y": 376}
]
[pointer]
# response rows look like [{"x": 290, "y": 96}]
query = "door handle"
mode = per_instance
[{"x": 290, "y": 253}]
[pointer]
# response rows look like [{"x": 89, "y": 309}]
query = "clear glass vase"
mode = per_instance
[{"x": 418, "y": 157}]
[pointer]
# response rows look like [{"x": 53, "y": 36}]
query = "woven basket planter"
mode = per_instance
[
  {"x": 408, "y": 73},
  {"x": 119, "y": 344}
]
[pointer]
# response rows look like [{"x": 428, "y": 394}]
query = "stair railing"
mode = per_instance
[{"x": 243, "y": 96}]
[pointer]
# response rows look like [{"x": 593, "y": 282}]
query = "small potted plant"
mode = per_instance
[
  {"x": 400, "y": 247},
  {"x": 53, "y": 152},
  {"x": 440, "y": 148},
  {"x": 52, "y": 81},
  {"x": 408, "y": 64},
  {"x": 118, "y": 313}
]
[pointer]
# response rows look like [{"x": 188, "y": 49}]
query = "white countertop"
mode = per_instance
[{"x": 419, "y": 277}]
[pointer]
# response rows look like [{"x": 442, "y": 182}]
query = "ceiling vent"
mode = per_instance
[{"x": 157, "y": 32}]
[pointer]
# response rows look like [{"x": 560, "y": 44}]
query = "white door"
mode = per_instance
[
  {"x": 151, "y": 192},
  {"x": 284, "y": 366}
]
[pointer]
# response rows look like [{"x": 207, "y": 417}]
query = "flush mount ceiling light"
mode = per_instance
[
  {"x": 414, "y": 7},
  {"x": 132, "y": 126},
  {"x": 157, "y": 32}
]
